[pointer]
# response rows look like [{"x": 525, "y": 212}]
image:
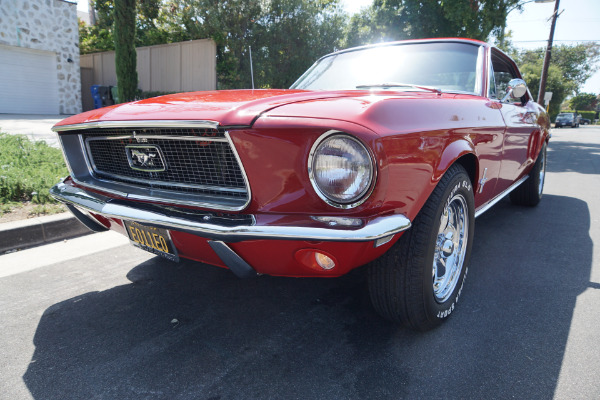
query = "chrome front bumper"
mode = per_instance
[{"x": 87, "y": 201}]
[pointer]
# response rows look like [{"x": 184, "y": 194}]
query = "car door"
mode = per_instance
[{"x": 521, "y": 119}]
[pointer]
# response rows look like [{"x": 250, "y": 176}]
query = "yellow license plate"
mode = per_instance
[{"x": 152, "y": 239}]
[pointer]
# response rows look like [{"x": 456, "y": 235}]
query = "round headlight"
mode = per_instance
[{"x": 340, "y": 169}]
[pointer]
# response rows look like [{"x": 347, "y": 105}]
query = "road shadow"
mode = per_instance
[
  {"x": 191, "y": 331},
  {"x": 583, "y": 158}
]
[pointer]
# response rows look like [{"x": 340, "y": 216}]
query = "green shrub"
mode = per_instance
[
  {"x": 591, "y": 115},
  {"x": 28, "y": 169}
]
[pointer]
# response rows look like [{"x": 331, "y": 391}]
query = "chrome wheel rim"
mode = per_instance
[
  {"x": 542, "y": 171},
  {"x": 451, "y": 248}
]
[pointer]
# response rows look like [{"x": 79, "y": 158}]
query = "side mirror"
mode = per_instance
[{"x": 516, "y": 89}]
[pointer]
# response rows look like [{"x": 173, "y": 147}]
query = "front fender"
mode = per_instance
[{"x": 454, "y": 151}]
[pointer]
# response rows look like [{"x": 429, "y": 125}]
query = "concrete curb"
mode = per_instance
[{"x": 41, "y": 230}]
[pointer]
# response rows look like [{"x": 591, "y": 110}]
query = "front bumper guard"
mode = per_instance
[{"x": 88, "y": 201}]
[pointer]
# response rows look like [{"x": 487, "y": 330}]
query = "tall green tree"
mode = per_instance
[
  {"x": 577, "y": 62},
  {"x": 297, "y": 33},
  {"x": 414, "y": 19},
  {"x": 125, "y": 55},
  {"x": 286, "y": 36},
  {"x": 570, "y": 67},
  {"x": 151, "y": 26},
  {"x": 584, "y": 102}
]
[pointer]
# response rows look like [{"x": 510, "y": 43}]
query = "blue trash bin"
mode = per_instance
[
  {"x": 101, "y": 96},
  {"x": 96, "y": 96}
]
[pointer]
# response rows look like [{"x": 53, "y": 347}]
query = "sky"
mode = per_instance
[{"x": 578, "y": 22}]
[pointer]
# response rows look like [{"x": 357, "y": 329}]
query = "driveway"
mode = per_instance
[{"x": 35, "y": 127}]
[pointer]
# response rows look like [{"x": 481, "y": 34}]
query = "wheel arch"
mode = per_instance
[
  {"x": 470, "y": 163},
  {"x": 460, "y": 152}
]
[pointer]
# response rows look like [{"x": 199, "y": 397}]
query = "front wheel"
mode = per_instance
[{"x": 419, "y": 280}]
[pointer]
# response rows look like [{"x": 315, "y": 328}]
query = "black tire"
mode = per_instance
[
  {"x": 530, "y": 192},
  {"x": 401, "y": 282}
]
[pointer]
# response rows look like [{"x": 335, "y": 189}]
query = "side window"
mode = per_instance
[{"x": 502, "y": 73}]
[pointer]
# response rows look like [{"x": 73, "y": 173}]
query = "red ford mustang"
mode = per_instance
[{"x": 381, "y": 154}]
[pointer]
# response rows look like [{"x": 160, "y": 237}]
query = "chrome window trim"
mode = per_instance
[
  {"x": 479, "y": 71},
  {"x": 490, "y": 71},
  {"x": 316, "y": 188},
  {"x": 138, "y": 124}
]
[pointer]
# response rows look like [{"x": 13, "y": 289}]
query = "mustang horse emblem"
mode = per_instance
[{"x": 145, "y": 158}]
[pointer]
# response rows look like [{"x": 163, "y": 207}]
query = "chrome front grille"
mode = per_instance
[{"x": 192, "y": 162}]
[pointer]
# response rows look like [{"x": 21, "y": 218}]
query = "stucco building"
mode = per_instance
[{"x": 39, "y": 57}]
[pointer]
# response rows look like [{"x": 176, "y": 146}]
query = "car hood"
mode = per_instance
[
  {"x": 239, "y": 107},
  {"x": 227, "y": 107}
]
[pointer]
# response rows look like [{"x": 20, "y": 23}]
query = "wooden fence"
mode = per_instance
[{"x": 175, "y": 67}]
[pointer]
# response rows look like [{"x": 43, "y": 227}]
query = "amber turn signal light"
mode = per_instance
[{"x": 316, "y": 259}]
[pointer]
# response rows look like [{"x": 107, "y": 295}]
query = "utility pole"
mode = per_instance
[
  {"x": 91, "y": 12},
  {"x": 544, "y": 76}
]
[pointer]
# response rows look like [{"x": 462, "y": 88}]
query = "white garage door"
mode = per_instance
[{"x": 28, "y": 82}]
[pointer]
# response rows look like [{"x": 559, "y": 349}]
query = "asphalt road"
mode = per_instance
[{"x": 95, "y": 318}]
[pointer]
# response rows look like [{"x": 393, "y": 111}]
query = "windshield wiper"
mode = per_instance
[{"x": 395, "y": 84}]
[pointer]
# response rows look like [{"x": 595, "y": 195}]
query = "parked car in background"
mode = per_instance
[
  {"x": 584, "y": 121},
  {"x": 381, "y": 155},
  {"x": 566, "y": 119}
]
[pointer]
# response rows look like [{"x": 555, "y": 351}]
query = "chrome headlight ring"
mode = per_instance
[{"x": 341, "y": 169}]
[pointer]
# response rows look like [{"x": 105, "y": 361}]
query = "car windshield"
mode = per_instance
[
  {"x": 565, "y": 116},
  {"x": 446, "y": 66}
]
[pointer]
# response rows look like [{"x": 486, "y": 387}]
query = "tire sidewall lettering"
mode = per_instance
[
  {"x": 444, "y": 310},
  {"x": 463, "y": 184},
  {"x": 446, "y": 313}
]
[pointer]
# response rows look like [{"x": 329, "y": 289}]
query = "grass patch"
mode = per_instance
[
  {"x": 27, "y": 171},
  {"x": 47, "y": 209},
  {"x": 9, "y": 206}
]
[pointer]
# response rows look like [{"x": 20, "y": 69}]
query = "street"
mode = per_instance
[{"x": 95, "y": 317}]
